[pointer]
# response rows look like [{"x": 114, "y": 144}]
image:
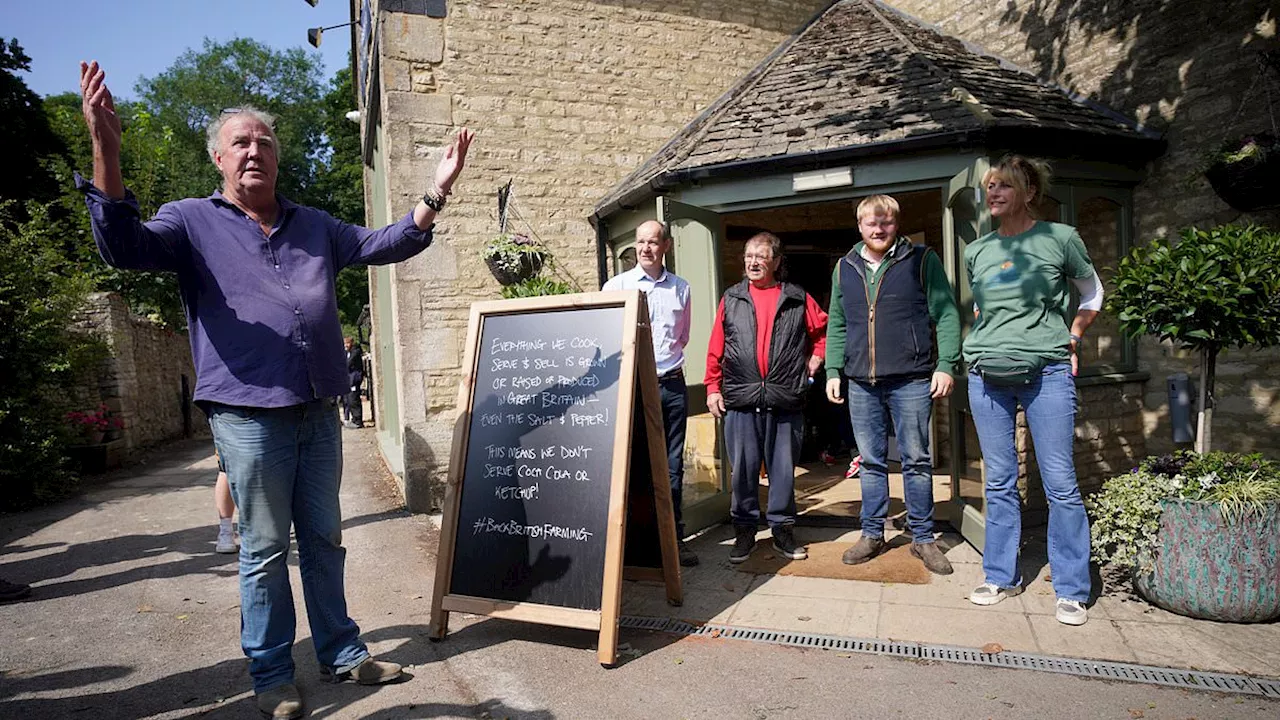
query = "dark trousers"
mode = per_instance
[
  {"x": 675, "y": 421},
  {"x": 352, "y": 409},
  {"x": 768, "y": 436}
]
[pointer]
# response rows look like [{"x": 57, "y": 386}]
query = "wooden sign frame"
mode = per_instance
[{"x": 637, "y": 382}]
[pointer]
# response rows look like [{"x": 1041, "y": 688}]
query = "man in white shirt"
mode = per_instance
[{"x": 668, "y": 298}]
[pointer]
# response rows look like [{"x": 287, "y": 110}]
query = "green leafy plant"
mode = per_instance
[
  {"x": 1208, "y": 290},
  {"x": 536, "y": 286},
  {"x": 1125, "y": 513},
  {"x": 514, "y": 258},
  {"x": 1125, "y": 516}
]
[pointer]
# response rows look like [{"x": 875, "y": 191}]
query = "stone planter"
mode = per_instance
[{"x": 1209, "y": 569}]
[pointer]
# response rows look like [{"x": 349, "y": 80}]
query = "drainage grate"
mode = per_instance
[{"x": 1171, "y": 677}]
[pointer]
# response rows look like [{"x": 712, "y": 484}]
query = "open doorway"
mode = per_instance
[{"x": 815, "y": 237}]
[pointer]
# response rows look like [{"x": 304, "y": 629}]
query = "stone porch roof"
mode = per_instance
[{"x": 862, "y": 74}]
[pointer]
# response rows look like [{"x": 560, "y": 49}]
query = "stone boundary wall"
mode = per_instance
[
  {"x": 567, "y": 97},
  {"x": 1182, "y": 69},
  {"x": 141, "y": 381}
]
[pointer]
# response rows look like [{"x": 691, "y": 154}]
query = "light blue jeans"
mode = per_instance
[
  {"x": 1050, "y": 404},
  {"x": 285, "y": 467},
  {"x": 906, "y": 404}
]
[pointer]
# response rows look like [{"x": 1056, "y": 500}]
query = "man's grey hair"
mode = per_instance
[{"x": 215, "y": 125}]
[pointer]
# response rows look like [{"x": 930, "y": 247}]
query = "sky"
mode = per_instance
[{"x": 142, "y": 38}]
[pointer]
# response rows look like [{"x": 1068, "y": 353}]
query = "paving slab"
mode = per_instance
[{"x": 973, "y": 628}]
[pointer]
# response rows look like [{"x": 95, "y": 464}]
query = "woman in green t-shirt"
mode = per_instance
[{"x": 1021, "y": 352}]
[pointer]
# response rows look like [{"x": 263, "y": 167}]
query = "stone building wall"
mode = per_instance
[
  {"x": 1182, "y": 69},
  {"x": 567, "y": 98},
  {"x": 141, "y": 380}
]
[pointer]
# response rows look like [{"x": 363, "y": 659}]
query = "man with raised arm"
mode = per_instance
[
  {"x": 256, "y": 273},
  {"x": 667, "y": 296}
]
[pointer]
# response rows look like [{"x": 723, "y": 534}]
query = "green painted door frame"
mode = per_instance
[
  {"x": 964, "y": 220},
  {"x": 696, "y": 234}
]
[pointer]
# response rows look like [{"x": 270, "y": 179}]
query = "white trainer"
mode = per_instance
[
  {"x": 226, "y": 543},
  {"x": 1071, "y": 612},
  {"x": 989, "y": 594}
]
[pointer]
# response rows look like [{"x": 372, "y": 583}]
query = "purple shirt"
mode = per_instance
[{"x": 262, "y": 312}]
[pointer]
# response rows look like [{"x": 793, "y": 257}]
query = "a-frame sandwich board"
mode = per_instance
[{"x": 558, "y": 472}]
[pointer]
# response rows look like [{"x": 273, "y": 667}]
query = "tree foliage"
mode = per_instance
[
  {"x": 25, "y": 130},
  {"x": 1211, "y": 290},
  {"x": 40, "y": 354},
  {"x": 200, "y": 84},
  {"x": 1215, "y": 288},
  {"x": 339, "y": 188}
]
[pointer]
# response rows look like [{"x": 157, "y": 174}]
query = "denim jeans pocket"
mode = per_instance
[{"x": 235, "y": 413}]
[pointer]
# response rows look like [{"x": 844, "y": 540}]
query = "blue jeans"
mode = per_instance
[
  {"x": 905, "y": 403},
  {"x": 768, "y": 436},
  {"x": 1050, "y": 404},
  {"x": 675, "y": 421},
  {"x": 285, "y": 466}
]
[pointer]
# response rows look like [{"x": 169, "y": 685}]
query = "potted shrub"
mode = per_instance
[
  {"x": 1208, "y": 290},
  {"x": 1245, "y": 172},
  {"x": 1198, "y": 534},
  {"x": 513, "y": 258}
]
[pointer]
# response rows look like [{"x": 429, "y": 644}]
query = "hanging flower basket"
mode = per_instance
[
  {"x": 1246, "y": 173},
  {"x": 513, "y": 258}
]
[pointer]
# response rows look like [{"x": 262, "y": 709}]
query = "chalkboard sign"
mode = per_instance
[
  {"x": 535, "y": 490},
  {"x": 559, "y": 466}
]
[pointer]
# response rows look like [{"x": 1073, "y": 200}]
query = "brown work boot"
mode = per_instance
[
  {"x": 932, "y": 557},
  {"x": 369, "y": 672},
  {"x": 375, "y": 672},
  {"x": 281, "y": 701},
  {"x": 863, "y": 550}
]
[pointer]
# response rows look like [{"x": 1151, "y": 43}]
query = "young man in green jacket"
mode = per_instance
[{"x": 887, "y": 299}]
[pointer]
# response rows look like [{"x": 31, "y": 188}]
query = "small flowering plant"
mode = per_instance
[
  {"x": 1125, "y": 514},
  {"x": 88, "y": 422}
]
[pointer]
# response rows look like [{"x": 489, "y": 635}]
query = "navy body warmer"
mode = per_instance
[
  {"x": 789, "y": 350},
  {"x": 889, "y": 336}
]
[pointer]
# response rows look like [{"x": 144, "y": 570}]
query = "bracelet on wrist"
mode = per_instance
[
  {"x": 434, "y": 200},
  {"x": 1077, "y": 339}
]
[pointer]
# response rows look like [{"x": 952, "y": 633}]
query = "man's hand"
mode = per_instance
[
  {"x": 715, "y": 403},
  {"x": 815, "y": 362},
  {"x": 455, "y": 157},
  {"x": 99, "y": 109},
  {"x": 833, "y": 391},
  {"x": 940, "y": 385},
  {"x": 1075, "y": 358}
]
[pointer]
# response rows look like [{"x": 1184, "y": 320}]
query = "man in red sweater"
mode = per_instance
[{"x": 768, "y": 341}]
